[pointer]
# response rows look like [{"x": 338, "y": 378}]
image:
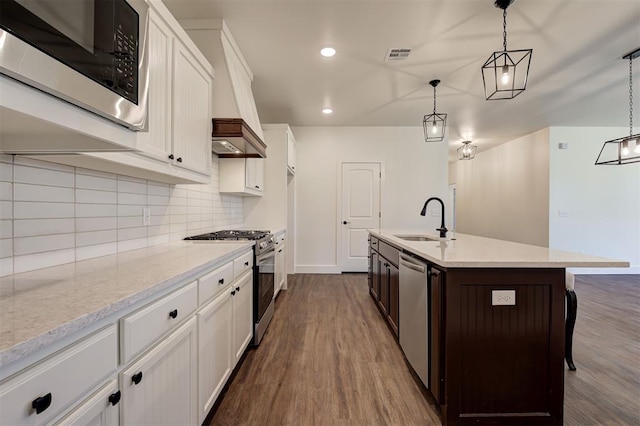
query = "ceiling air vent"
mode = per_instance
[{"x": 397, "y": 54}]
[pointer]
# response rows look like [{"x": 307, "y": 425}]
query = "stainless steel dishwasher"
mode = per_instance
[{"x": 414, "y": 320}]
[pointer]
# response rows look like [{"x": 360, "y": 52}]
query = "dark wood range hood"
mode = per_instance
[{"x": 233, "y": 138}]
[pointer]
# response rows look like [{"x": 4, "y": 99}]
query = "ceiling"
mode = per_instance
[{"x": 577, "y": 76}]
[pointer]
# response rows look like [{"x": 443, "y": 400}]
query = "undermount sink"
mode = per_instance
[{"x": 416, "y": 238}]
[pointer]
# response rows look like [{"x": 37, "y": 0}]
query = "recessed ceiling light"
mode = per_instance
[
  {"x": 327, "y": 110},
  {"x": 328, "y": 52}
]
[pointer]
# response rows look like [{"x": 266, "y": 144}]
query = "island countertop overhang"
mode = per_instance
[{"x": 470, "y": 251}]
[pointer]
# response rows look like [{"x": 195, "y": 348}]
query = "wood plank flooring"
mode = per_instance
[{"x": 328, "y": 358}]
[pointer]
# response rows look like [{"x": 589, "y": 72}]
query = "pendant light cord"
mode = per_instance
[
  {"x": 631, "y": 95},
  {"x": 504, "y": 28}
]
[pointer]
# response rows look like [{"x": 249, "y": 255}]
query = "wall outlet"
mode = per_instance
[
  {"x": 503, "y": 297},
  {"x": 146, "y": 216},
  {"x": 563, "y": 213}
]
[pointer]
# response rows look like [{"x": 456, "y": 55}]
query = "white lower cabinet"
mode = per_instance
[
  {"x": 280, "y": 270},
  {"x": 161, "y": 387},
  {"x": 100, "y": 409},
  {"x": 214, "y": 350},
  {"x": 242, "y": 315},
  {"x": 225, "y": 329},
  {"x": 175, "y": 359},
  {"x": 42, "y": 392}
]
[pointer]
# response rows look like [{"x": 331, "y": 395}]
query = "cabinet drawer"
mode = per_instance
[
  {"x": 373, "y": 242},
  {"x": 96, "y": 410},
  {"x": 242, "y": 264},
  {"x": 145, "y": 326},
  {"x": 391, "y": 253},
  {"x": 210, "y": 284},
  {"x": 60, "y": 380}
]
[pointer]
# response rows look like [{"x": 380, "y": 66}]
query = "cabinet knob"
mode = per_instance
[
  {"x": 137, "y": 378},
  {"x": 246, "y": 263},
  {"x": 238, "y": 289},
  {"x": 114, "y": 398},
  {"x": 233, "y": 292},
  {"x": 41, "y": 403},
  {"x": 280, "y": 251},
  {"x": 221, "y": 281},
  {"x": 179, "y": 159},
  {"x": 257, "y": 187},
  {"x": 174, "y": 314},
  {"x": 171, "y": 157}
]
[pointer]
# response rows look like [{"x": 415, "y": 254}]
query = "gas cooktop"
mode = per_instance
[{"x": 231, "y": 235}]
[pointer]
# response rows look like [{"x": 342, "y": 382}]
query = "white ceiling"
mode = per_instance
[{"x": 577, "y": 77}]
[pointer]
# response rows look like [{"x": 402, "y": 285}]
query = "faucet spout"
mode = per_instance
[{"x": 443, "y": 229}]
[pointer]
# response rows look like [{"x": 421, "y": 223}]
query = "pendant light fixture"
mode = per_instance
[
  {"x": 467, "y": 151},
  {"x": 434, "y": 124},
  {"x": 624, "y": 150},
  {"x": 505, "y": 73}
]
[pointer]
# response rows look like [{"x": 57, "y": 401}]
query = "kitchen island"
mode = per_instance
[{"x": 495, "y": 322}]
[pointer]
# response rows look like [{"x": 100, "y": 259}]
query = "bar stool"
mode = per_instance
[{"x": 572, "y": 311}]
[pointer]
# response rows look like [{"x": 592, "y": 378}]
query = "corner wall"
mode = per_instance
[
  {"x": 412, "y": 171},
  {"x": 503, "y": 192},
  {"x": 593, "y": 209}
]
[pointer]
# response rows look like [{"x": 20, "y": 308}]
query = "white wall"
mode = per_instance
[
  {"x": 53, "y": 214},
  {"x": 412, "y": 171},
  {"x": 503, "y": 192},
  {"x": 602, "y": 203}
]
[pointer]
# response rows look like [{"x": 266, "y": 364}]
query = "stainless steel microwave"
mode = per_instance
[{"x": 91, "y": 53}]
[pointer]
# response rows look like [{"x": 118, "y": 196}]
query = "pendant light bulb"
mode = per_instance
[
  {"x": 505, "y": 75},
  {"x": 434, "y": 128},
  {"x": 637, "y": 150},
  {"x": 625, "y": 148}
]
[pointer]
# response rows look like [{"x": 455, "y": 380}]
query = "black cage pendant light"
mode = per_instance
[
  {"x": 434, "y": 124},
  {"x": 627, "y": 149},
  {"x": 505, "y": 73},
  {"x": 467, "y": 151}
]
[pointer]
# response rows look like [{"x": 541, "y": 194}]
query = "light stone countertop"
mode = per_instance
[
  {"x": 470, "y": 251},
  {"x": 42, "y": 307}
]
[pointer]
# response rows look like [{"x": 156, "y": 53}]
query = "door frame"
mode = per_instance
[{"x": 340, "y": 162}]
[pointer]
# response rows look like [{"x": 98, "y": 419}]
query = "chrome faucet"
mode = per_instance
[{"x": 443, "y": 230}]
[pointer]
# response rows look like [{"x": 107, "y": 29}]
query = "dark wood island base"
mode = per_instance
[{"x": 501, "y": 364}]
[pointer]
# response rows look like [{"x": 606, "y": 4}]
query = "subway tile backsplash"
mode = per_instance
[{"x": 53, "y": 214}]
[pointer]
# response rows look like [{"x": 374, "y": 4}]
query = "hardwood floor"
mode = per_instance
[{"x": 328, "y": 358}]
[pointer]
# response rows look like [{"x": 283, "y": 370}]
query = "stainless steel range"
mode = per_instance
[{"x": 263, "y": 273}]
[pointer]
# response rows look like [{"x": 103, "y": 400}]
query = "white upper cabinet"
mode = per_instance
[
  {"x": 180, "y": 97},
  {"x": 242, "y": 176},
  {"x": 176, "y": 146},
  {"x": 191, "y": 112},
  {"x": 291, "y": 153}
]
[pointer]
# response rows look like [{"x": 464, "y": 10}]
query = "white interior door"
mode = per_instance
[{"x": 360, "y": 211}]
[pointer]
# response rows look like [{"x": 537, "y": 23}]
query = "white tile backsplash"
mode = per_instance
[
  {"x": 40, "y": 176},
  {"x": 34, "y": 227},
  {"x": 91, "y": 196},
  {"x": 53, "y": 194},
  {"x": 53, "y": 214},
  {"x": 42, "y": 243},
  {"x": 36, "y": 210}
]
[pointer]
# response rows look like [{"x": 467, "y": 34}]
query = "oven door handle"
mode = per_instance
[{"x": 268, "y": 254}]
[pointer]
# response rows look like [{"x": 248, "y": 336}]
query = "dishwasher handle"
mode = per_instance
[{"x": 406, "y": 262}]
